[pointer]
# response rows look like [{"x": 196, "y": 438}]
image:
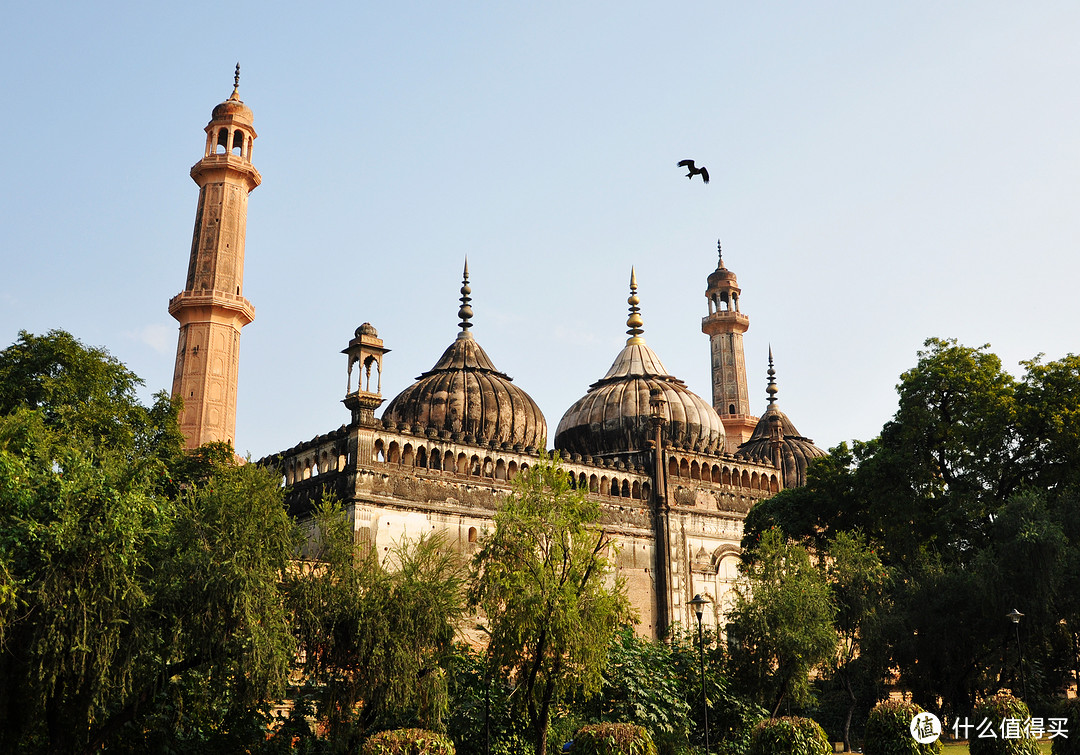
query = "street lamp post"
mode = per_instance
[
  {"x": 1014, "y": 616},
  {"x": 699, "y": 607},
  {"x": 489, "y": 673}
]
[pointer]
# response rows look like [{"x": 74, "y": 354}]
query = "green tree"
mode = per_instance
[
  {"x": 970, "y": 498},
  {"x": 544, "y": 581},
  {"x": 859, "y": 584},
  {"x": 374, "y": 637},
  {"x": 89, "y": 395},
  {"x": 117, "y": 588},
  {"x": 782, "y": 626},
  {"x": 642, "y": 684}
]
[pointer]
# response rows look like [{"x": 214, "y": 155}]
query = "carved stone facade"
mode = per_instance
[
  {"x": 397, "y": 483},
  {"x": 674, "y": 476},
  {"x": 448, "y": 447}
]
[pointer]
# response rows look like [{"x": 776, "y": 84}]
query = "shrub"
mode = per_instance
[
  {"x": 789, "y": 736},
  {"x": 613, "y": 739},
  {"x": 997, "y": 709},
  {"x": 888, "y": 731},
  {"x": 408, "y": 742},
  {"x": 1070, "y": 745}
]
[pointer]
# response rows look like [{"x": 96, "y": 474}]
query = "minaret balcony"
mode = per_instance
[
  {"x": 727, "y": 320},
  {"x": 225, "y": 163},
  {"x": 211, "y": 306}
]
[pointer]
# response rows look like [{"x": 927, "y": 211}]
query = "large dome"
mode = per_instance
[
  {"x": 466, "y": 398},
  {"x": 776, "y": 441},
  {"x": 614, "y": 416}
]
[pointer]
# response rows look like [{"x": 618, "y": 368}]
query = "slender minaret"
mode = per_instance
[
  {"x": 212, "y": 309},
  {"x": 725, "y": 326}
]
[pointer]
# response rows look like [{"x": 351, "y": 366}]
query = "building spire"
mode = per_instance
[
  {"x": 720, "y": 255},
  {"x": 236, "y": 84},
  {"x": 771, "y": 390},
  {"x": 634, "y": 322},
  {"x": 465, "y": 312}
]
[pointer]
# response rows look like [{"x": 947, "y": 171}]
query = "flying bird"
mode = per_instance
[{"x": 694, "y": 171}]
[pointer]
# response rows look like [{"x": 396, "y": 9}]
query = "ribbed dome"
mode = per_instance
[
  {"x": 466, "y": 396},
  {"x": 792, "y": 454},
  {"x": 615, "y": 417},
  {"x": 775, "y": 440}
]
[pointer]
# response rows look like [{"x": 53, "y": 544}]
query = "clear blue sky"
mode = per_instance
[{"x": 881, "y": 173}]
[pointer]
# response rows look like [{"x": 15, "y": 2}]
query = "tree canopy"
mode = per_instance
[
  {"x": 782, "y": 625},
  {"x": 546, "y": 585},
  {"x": 374, "y": 637},
  {"x": 970, "y": 499},
  {"x": 121, "y": 578}
]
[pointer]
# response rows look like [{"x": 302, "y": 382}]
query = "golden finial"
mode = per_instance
[
  {"x": 771, "y": 389},
  {"x": 634, "y": 321},
  {"x": 465, "y": 313},
  {"x": 236, "y": 84}
]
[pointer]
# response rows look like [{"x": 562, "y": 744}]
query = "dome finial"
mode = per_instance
[
  {"x": 236, "y": 84},
  {"x": 634, "y": 321},
  {"x": 720, "y": 255},
  {"x": 771, "y": 389},
  {"x": 465, "y": 312}
]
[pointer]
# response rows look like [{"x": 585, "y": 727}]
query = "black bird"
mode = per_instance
[{"x": 689, "y": 165}]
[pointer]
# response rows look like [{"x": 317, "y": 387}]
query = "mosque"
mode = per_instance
[{"x": 674, "y": 474}]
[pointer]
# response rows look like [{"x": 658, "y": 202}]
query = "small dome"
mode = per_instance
[
  {"x": 776, "y": 441},
  {"x": 791, "y": 452},
  {"x": 721, "y": 274},
  {"x": 234, "y": 108},
  {"x": 367, "y": 329},
  {"x": 466, "y": 396},
  {"x": 614, "y": 416}
]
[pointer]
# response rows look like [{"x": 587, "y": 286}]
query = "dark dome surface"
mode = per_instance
[
  {"x": 795, "y": 451},
  {"x": 615, "y": 417},
  {"x": 464, "y": 393},
  {"x": 776, "y": 441},
  {"x": 466, "y": 396}
]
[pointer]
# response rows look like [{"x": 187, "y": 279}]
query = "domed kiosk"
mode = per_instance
[
  {"x": 464, "y": 397},
  {"x": 615, "y": 416}
]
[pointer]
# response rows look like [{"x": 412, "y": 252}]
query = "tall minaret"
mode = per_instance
[
  {"x": 725, "y": 326},
  {"x": 212, "y": 309}
]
